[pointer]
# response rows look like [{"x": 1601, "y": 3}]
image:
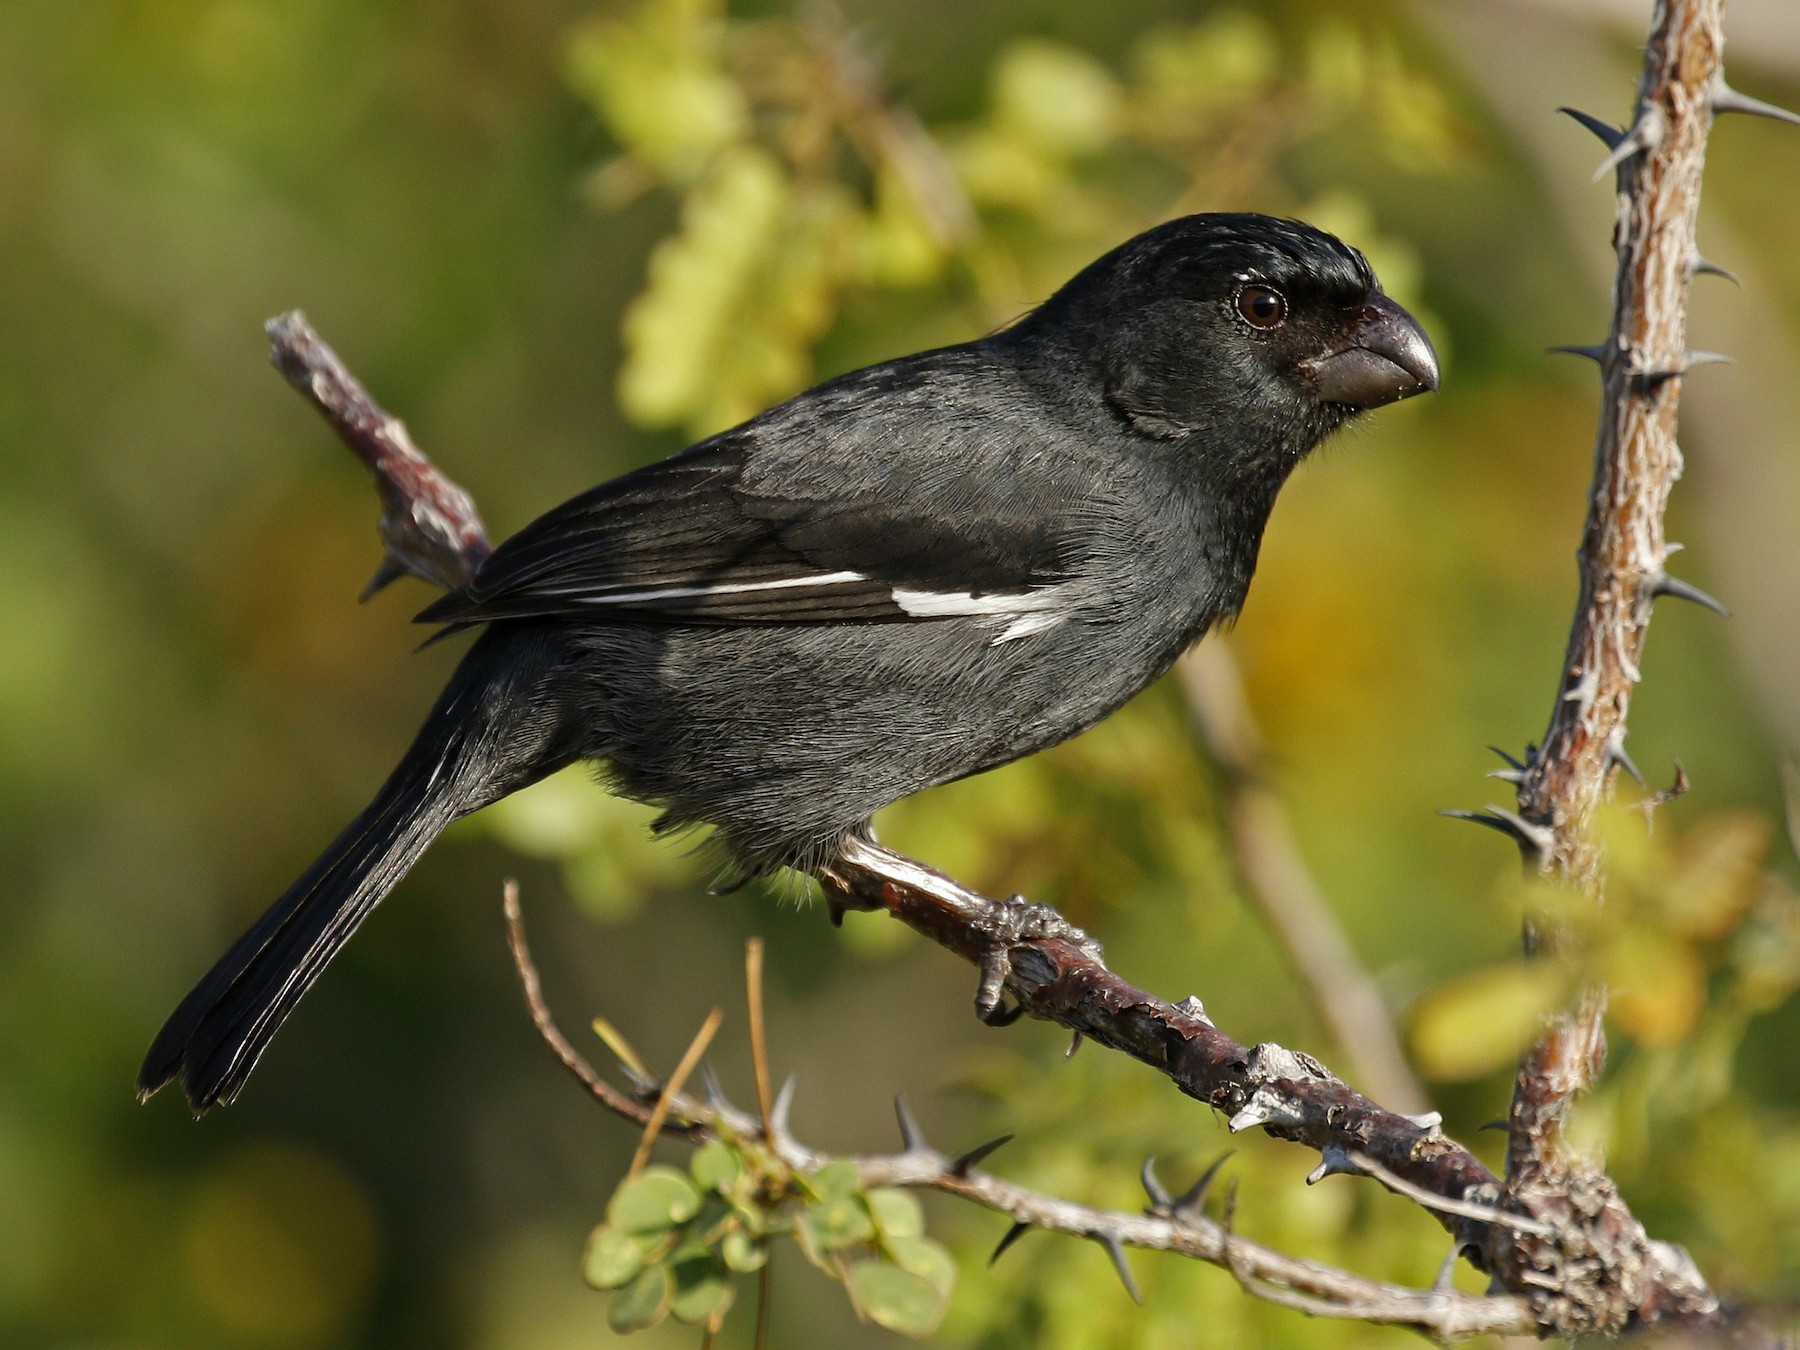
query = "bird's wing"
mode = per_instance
[{"x": 817, "y": 513}]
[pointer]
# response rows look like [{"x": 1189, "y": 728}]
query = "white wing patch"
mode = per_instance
[
  {"x": 1030, "y": 612},
  {"x": 1023, "y": 612}
]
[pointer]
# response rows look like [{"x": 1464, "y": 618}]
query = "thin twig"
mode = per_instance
[
  {"x": 759, "y": 1048},
  {"x": 660, "y": 1112},
  {"x": 571, "y": 1058},
  {"x": 1487, "y": 1214}
]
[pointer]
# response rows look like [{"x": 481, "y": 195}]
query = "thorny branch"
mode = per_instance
[
  {"x": 1169, "y": 1224},
  {"x": 1601, "y": 1271}
]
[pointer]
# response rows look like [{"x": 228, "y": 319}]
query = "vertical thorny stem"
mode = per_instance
[
  {"x": 1607, "y": 1272},
  {"x": 1636, "y": 455}
]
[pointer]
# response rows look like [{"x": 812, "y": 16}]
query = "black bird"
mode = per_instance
[{"x": 903, "y": 576}]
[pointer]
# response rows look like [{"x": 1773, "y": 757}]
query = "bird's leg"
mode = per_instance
[{"x": 865, "y": 875}]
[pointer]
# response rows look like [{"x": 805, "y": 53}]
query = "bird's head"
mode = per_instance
[{"x": 1234, "y": 325}]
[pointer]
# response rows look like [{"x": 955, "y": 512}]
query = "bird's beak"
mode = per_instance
[{"x": 1384, "y": 357}]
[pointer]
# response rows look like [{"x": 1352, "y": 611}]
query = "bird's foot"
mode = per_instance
[{"x": 1017, "y": 920}]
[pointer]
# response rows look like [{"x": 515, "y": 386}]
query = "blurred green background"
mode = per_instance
[{"x": 560, "y": 237}]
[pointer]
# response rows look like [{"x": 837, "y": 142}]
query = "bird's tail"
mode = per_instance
[{"x": 486, "y": 737}]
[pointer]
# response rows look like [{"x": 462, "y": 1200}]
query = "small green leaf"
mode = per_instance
[
  {"x": 715, "y": 1216},
  {"x": 642, "y": 1303},
  {"x": 652, "y": 1202},
  {"x": 897, "y": 1299},
  {"x": 743, "y": 1253},
  {"x": 716, "y": 1167},
  {"x": 838, "y": 1223},
  {"x": 612, "y": 1257},
  {"x": 927, "y": 1259},
  {"x": 836, "y": 1181},
  {"x": 897, "y": 1214},
  {"x": 702, "y": 1290}
]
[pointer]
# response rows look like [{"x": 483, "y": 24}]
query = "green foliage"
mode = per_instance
[
  {"x": 673, "y": 1241},
  {"x": 802, "y": 187}
]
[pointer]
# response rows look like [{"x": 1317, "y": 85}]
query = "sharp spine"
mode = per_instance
[
  {"x": 1645, "y": 134},
  {"x": 1705, "y": 267},
  {"x": 1616, "y": 754},
  {"x": 783, "y": 1107},
  {"x": 1161, "y": 1202},
  {"x": 1524, "y": 833},
  {"x": 387, "y": 572},
  {"x": 1116, "y": 1250},
  {"x": 911, "y": 1139},
  {"x": 964, "y": 1163},
  {"x": 1192, "y": 1204},
  {"x": 1609, "y": 135},
  {"x": 1019, "y": 1229},
  {"x": 1725, "y": 99},
  {"x": 1595, "y": 353},
  {"x": 1681, "y": 590}
]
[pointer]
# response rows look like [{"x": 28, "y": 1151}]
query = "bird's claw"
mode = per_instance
[{"x": 1017, "y": 920}]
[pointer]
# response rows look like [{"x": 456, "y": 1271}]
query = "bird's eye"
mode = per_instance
[{"x": 1262, "y": 307}]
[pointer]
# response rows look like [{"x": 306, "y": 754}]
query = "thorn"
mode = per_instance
[
  {"x": 1616, "y": 755},
  {"x": 964, "y": 1163},
  {"x": 1446, "y": 1276},
  {"x": 1116, "y": 1250},
  {"x": 1725, "y": 99},
  {"x": 1645, "y": 134},
  {"x": 1681, "y": 590},
  {"x": 388, "y": 572},
  {"x": 1705, "y": 267},
  {"x": 1695, "y": 358},
  {"x": 1515, "y": 763},
  {"x": 1074, "y": 1045},
  {"x": 1019, "y": 1229},
  {"x": 1161, "y": 1202},
  {"x": 912, "y": 1140},
  {"x": 1498, "y": 1123},
  {"x": 1191, "y": 1006},
  {"x": 1192, "y": 1204},
  {"x": 1595, "y": 353},
  {"x": 1513, "y": 776},
  {"x": 1333, "y": 1159},
  {"x": 1428, "y": 1121},
  {"x": 1606, "y": 131},
  {"x": 1584, "y": 689},
  {"x": 715, "y": 1093},
  {"x": 1264, "y": 1108},
  {"x": 783, "y": 1106},
  {"x": 1537, "y": 838}
]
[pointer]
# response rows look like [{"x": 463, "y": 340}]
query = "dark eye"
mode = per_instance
[{"x": 1262, "y": 307}]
